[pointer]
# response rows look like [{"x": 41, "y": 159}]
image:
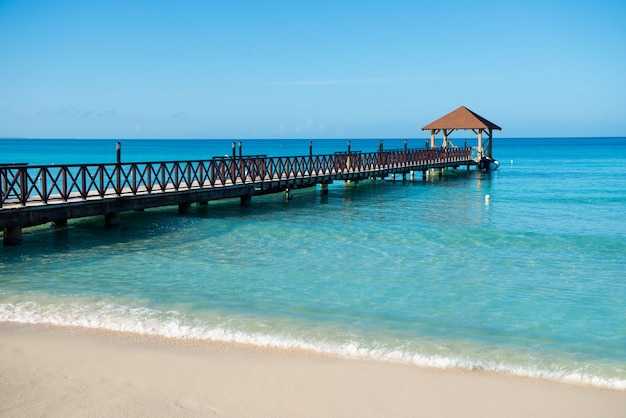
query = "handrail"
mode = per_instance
[{"x": 47, "y": 184}]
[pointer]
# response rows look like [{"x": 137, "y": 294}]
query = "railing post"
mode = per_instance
[
  {"x": 118, "y": 180},
  {"x": 102, "y": 190},
  {"x": 83, "y": 180},
  {"x": 148, "y": 171},
  {"x": 176, "y": 169},
  {"x": 232, "y": 165},
  {"x": 44, "y": 184},
  {"x": 64, "y": 183},
  {"x": 23, "y": 186},
  {"x": 348, "y": 162},
  {"x": 134, "y": 178},
  {"x": 118, "y": 151},
  {"x": 406, "y": 145},
  {"x": 163, "y": 168},
  {"x": 242, "y": 164},
  {"x": 3, "y": 179},
  {"x": 309, "y": 168},
  {"x": 118, "y": 168}
]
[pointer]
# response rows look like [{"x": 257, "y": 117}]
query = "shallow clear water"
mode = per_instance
[{"x": 529, "y": 282}]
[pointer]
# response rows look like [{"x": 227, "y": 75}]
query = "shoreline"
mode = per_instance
[{"x": 54, "y": 370}]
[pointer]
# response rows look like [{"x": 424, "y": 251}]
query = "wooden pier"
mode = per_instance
[{"x": 35, "y": 195}]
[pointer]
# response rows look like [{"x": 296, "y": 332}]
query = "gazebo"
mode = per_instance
[{"x": 464, "y": 119}]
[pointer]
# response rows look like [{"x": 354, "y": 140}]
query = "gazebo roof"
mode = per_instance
[{"x": 461, "y": 118}]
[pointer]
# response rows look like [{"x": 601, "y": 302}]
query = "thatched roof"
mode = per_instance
[{"x": 461, "y": 118}]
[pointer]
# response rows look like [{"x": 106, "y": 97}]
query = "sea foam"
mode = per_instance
[{"x": 175, "y": 325}]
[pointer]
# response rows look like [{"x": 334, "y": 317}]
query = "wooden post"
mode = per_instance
[
  {"x": 246, "y": 200},
  {"x": 12, "y": 236},
  {"x": 232, "y": 163},
  {"x": 118, "y": 168},
  {"x": 184, "y": 208},
  {"x": 406, "y": 148},
  {"x": 118, "y": 152},
  {"x": 111, "y": 220},
  {"x": 310, "y": 162}
]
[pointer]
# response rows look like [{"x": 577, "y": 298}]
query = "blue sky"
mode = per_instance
[{"x": 319, "y": 69}]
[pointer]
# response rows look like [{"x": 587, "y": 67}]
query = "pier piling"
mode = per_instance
[
  {"x": 112, "y": 220},
  {"x": 12, "y": 236},
  {"x": 184, "y": 208},
  {"x": 246, "y": 200}
]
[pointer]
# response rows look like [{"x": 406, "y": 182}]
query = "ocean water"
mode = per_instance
[{"x": 530, "y": 282}]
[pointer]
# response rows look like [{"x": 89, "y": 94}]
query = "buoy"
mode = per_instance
[{"x": 487, "y": 198}]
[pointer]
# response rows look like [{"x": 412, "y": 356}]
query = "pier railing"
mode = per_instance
[{"x": 23, "y": 185}]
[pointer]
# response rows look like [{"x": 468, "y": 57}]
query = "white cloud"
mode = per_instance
[{"x": 309, "y": 126}]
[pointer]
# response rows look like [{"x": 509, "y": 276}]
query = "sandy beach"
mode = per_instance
[{"x": 56, "y": 371}]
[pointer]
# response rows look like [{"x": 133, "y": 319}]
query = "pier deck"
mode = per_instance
[{"x": 35, "y": 195}]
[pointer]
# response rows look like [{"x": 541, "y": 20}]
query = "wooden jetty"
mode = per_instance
[{"x": 32, "y": 195}]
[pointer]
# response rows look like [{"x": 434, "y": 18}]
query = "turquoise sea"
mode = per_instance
[{"x": 529, "y": 282}]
